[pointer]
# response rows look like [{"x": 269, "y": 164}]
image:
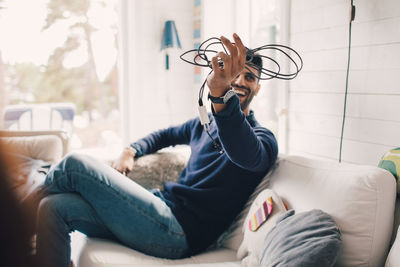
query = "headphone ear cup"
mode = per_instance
[{"x": 249, "y": 55}]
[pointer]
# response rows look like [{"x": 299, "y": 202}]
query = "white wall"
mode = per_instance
[
  {"x": 218, "y": 18},
  {"x": 151, "y": 97},
  {"x": 319, "y": 31}
]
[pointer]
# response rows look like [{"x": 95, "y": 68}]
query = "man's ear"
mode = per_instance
[{"x": 257, "y": 89}]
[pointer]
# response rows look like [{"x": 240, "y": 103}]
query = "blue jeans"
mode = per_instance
[{"x": 86, "y": 195}]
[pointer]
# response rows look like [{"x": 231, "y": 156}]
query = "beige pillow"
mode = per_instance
[
  {"x": 45, "y": 147},
  {"x": 252, "y": 244}
]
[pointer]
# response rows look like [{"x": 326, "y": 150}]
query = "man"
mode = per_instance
[{"x": 187, "y": 216}]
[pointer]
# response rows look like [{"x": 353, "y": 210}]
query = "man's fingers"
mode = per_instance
[
  {"x": 231, "y": 48},
  {"x": 225, "y": 59},
  {"x": 123, "y": 171},
  {"x": 117, "y": 167},
  {"x": 242, "y": 51},
  {"x": 215, "y": 64},
  {"x": 238, "y": 41},
  {"x": 234, "y": 53}
]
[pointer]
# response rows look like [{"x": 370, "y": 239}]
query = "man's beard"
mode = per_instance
[
  {"x": 248, "y": 99},
  {"x": 246, "y": 102}
]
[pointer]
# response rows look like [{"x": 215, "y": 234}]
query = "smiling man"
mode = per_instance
[
  {"x": 187, "y": 216},
  {"x": 246, "y": 85}
]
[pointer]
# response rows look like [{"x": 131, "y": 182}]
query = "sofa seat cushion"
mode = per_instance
[
  {"x": 104, "y": 253},
  {"x": 359, "y": 198}
]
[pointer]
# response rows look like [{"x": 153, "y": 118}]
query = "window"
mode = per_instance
[
  {"x": 58, "y": 68},
  {"x": 264, "y": 29}
]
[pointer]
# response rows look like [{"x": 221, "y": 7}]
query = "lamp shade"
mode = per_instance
[{"x": 170, "y": 36}]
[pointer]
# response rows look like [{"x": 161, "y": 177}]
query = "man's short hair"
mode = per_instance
[{"x": 257, "y": 62}]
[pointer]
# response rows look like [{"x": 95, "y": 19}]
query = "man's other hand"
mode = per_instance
[{"x": 124, "y": 163}]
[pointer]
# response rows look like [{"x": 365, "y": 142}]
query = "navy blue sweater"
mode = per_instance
[{"x": 214, "y": 187}]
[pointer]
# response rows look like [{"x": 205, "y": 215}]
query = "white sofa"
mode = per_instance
[{"x": 361, "y": 199}]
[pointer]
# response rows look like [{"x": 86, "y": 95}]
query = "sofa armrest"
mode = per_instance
[
  {"x": 62, "y": 135},
  {"x": 45, "y": 145}
]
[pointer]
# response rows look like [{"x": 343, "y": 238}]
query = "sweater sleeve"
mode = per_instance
[
  {"x": 252, "y": 148},
  {"x": 176, "y": 135}
]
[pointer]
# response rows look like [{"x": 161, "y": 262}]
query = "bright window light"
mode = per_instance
[{"x": 61, "y": 54}]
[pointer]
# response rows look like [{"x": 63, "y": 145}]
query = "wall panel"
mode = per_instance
[{"x": 317, "y": 96}]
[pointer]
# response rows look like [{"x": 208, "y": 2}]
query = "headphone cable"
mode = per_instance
[{"x": 353, "y": 13}]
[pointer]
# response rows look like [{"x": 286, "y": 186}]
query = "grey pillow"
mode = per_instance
[{"x": 306, "y": 239}]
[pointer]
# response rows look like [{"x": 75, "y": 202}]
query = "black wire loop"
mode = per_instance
[{"x": 271, "y": 69}]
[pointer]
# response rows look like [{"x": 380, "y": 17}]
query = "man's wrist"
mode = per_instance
[
  {"x": 223, "y": 99},
  {"x": 130, "y": 151},
  {"x": 220, "y": 91},
  {"x": 228, "y": 108}
]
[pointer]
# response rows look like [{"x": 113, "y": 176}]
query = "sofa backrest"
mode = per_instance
[{"x": 361, "y": 199}]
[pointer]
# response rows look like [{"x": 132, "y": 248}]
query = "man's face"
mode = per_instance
[{"x": 246, "y": 87}]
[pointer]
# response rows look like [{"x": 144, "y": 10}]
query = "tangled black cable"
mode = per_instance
[{"x": 202, "y": 56}]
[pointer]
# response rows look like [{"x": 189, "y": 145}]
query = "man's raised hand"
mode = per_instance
[{"x": 220, "y": 80}]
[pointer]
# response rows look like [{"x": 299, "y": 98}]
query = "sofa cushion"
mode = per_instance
[
  {"x": 304, "y": 239},
  {"x": 44, "y": 147},
  {"x": 99, "y": 252},
  {"x": 359, "y": 198},
  {"x": 251, "y": 247}
]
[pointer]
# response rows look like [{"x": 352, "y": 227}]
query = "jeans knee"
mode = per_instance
[
  {"x": 47, "y": 208},
  {"x": 72, "y": 160},
  {"x": 79, "y": 163},
  {"x": 51, "y": 211},
  {"x": 59, "y": 174}
]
